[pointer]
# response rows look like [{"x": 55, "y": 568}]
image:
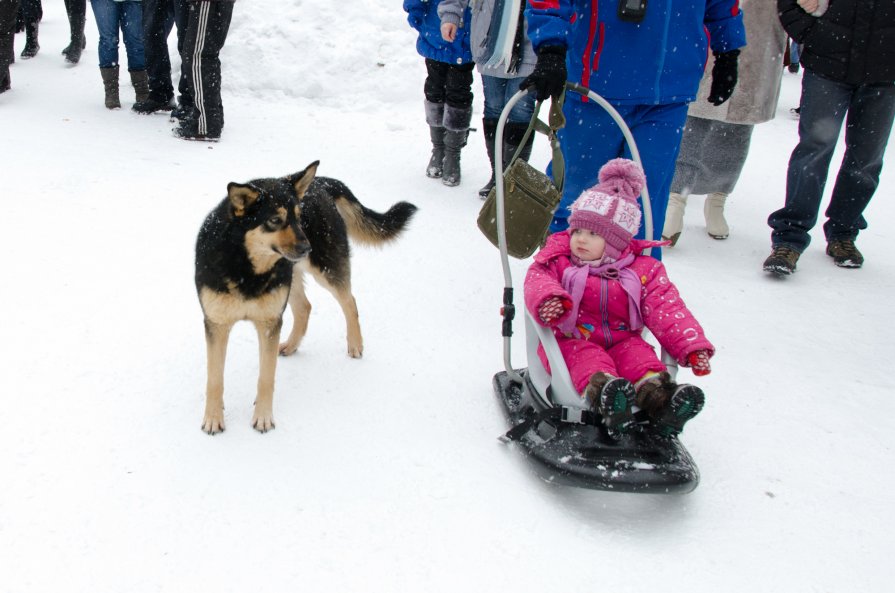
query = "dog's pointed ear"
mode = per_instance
[
  {"x": 241, "y": 197},
  {"x": 301, "y": 181}
]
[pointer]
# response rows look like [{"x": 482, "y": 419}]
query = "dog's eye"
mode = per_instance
[{"x": 274, "y": 222}]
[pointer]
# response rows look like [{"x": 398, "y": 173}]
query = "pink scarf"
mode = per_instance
[{"x": 574, "y": 279}]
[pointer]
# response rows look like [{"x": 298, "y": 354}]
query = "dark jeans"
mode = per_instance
[
  {"x": 159, "y": 16},
  {"x": 868, "y": 111},
  {"x": 206, "y": 32},
  {"x": 449, "y": 83}
]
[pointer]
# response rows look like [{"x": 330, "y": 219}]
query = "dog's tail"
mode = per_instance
[{"x": 366, "y": 226}]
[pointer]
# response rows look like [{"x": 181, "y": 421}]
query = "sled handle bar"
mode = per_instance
[{"x": 499, "y": 202}]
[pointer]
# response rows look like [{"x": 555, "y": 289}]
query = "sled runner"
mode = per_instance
[{"x": 550, "y": 421}]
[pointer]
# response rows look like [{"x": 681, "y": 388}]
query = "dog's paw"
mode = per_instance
[
  {"x": 356, "y": 350},
  {"x": 262, "y": 422},
  {"x": 213, "y": 423},
  {"x": 288, "y": 349}
]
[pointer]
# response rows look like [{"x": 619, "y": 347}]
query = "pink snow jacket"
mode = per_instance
[{"x": 603, "y": 316}]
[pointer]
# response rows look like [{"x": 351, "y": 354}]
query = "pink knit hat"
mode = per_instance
[{"x": 610, "y": 208}]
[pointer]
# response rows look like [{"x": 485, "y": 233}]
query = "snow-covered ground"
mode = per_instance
[{"x": 384, "y": 474}]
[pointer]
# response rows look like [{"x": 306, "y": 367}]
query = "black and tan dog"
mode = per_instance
[{"x": 251, "y": 256}]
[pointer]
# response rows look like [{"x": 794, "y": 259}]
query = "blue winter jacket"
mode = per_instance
[
  {"x": 423, "y": 16},
  {"x": 659, "y": 60}
]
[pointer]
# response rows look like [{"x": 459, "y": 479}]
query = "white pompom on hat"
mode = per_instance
[{"x": 610, "y": 208}]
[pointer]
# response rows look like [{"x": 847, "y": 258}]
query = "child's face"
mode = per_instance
[{"x": 587, "y": 245}]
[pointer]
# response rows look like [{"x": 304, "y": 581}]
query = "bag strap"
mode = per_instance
[{"x": 556, "y": 121}]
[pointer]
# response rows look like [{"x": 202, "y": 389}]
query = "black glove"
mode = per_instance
[
  {"x": 724, "y": 76},
  {"x": 549, "y": 76}
]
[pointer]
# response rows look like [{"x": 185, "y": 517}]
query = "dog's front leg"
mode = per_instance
[
  {"x": 268, "y": 344},
  {"x": 216, "y": 337},
  {"x": 301, "y": 311}
]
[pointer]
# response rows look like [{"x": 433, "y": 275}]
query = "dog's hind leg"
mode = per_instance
[
  {"x": 342, "y": 292},
  {"x": 216, "y": 337},
  {"x": 268, "y": 336},
  {"x": 301, "y": 311}
]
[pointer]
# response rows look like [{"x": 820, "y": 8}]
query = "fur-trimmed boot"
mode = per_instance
[
  {"x": 490, "y": 128},
  {"x": 715, "y": 224},
  {"x": 31, "y": 45},
  {"x": 140, "y": 81},
  {"x": 674, "y": 218},
  {"x": 612, "y": 398},
  {"x": 668, "y": 404},
  {"x": 110, "y": 84},
  {"x": 435, "y": 119},
  {"x": 456, "y": 131}
]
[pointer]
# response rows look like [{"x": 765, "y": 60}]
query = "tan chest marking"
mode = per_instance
[{"x": 230, "y": 307}]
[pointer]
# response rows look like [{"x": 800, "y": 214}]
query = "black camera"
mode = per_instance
[{"x": 631, "y": 11}]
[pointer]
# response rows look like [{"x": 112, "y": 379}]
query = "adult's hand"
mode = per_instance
[
  {"x": 724, "y": 76},
  {"x": 549, "y": 76}
]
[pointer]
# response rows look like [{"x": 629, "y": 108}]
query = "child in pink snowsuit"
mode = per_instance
[{"x": 592, "y": 286}]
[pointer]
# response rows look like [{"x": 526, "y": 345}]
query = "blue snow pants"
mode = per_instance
[{"x": 591, "y": 138}]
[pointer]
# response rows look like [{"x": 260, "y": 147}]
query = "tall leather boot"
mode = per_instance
[
  {"x": 110, "y": 84},
  {"x": 76, "y": 10},
  {"x": 512, "y": 137},
  {"x": 31, "y": 45},
  {"x": 140, "y": 81},
  {"x": 456, "y": 125},
  {"x": 435, "y": 119},
  {"x": 490, "y": 128},
  {"x": 674, "y": 218},
  {"x": 715, "y": 224}
]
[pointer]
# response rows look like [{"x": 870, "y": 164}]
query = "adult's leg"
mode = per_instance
[
  {"x": 824, "y": 104},
  {"x": 7, "y": 41},
  {"x": 132, "y": 30},
  {"x": 106, "y": 13},
  {"x": 155, "y": 46},
  {"x": 209, "y": 23},
  {"x": 589, "y": 139},
  {"x": 77, "y": 16},
  {"x": 867, "y": 129},
  {"x": 657, "y": 132}
]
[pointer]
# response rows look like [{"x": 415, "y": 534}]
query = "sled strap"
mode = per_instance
[{"x": 561, "y": 413}]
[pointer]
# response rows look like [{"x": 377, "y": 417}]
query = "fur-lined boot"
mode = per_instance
[
  {"x": 668, "y": 404},
  {"x": 612, "y": 398}
]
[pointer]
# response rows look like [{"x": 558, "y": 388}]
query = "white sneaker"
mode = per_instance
[
  {"x": 674, "y": 218},
  {"x": 715, "y": 225}
]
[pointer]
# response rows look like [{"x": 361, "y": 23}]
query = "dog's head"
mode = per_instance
[{"x": 270, "y": 210}]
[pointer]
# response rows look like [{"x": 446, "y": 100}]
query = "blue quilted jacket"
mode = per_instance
[
  {"x": 423, "y": 16},
  {"x": 657, "y": 61}
]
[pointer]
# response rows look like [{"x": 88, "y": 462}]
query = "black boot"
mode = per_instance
[
  {"x": 612, "y": 398},
  {"x": 668, "y": 404},
  {"x": 456, "y": 125},
  {"x": 76, "y": 17},
  {"x": 512, "y": 137},
  {"x": 490, "y": 127},
  {"x": 31, "y": 44},
  {"x": 435, "y": 168},
  {"x": 435, "y": 119}
]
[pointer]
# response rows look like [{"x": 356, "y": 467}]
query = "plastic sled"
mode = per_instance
[{"x": 551, "y": 423}]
